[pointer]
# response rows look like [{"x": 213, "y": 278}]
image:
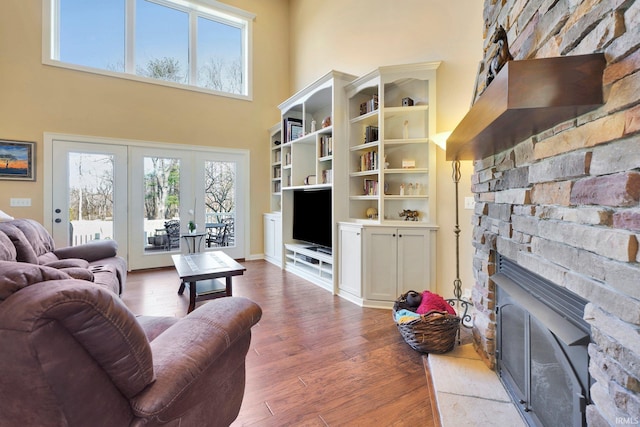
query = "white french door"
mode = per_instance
[
  {"x": 88, "y": 194},
  {"x": 137, "y": 193}
]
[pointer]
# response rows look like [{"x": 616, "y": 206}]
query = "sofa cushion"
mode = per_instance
[
  {"x": 17, "y": 275},
  {"x": 40, "y": 239},
  {"x": 68, "y": 263},
  {"x": 155, "y": 325},
  {"x": 79, "y": 273},
  {"x": 24, "y": 250},
  {"x": 7, "y": 250}
]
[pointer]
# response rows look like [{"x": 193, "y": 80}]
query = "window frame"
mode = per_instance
[{"x": 209, "y": 9}]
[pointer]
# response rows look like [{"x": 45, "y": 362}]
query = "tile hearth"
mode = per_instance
[{"x": 469, "y": 393}]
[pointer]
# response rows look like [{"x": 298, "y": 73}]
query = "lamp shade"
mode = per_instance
[{"x": 441, "y": 139}]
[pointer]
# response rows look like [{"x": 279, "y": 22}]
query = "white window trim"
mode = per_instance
[{"x": 50, "y": 44}]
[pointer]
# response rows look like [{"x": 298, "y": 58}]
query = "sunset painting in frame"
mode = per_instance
[{"x": 17, "y": 160}]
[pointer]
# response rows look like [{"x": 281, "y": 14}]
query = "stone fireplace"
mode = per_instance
[{"x": 564, "y": 202}]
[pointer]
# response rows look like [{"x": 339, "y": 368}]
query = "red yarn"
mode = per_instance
[{"x": 431, "y": 302}]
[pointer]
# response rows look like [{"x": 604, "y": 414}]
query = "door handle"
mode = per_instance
[
  {"x": 57, "y": 211},
  {"x": 57, "y": 221}
]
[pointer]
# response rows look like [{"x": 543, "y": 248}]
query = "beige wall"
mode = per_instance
[
  {"x": 356, "y": 36},
  {"x": 353, "y": 36},
  {"x": 35, "y": 99}
]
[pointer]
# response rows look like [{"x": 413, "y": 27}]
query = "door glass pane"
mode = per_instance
[
  {"x": 512, "y": 323},
  {"x": 161, "y": 204},
  {"x": 552, "y": 390},
  {"x": 90, "y": 197},
  {"x": 220, "y": 203},
  {"x": 162, "y": 42}
]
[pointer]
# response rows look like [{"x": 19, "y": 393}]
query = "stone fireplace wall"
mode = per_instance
[{"x": 565, "y": 203}]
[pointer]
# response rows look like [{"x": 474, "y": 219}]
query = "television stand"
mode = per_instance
[{"x": 311, "y": 263}]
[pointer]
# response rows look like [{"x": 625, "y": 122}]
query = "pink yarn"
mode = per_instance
[{"x": 431, "y": 302}]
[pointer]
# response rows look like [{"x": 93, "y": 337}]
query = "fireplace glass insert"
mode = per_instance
[{"x": 542, "y": 341}]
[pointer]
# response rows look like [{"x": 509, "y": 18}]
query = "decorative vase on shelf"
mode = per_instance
[{"x": 192, "y": 227}]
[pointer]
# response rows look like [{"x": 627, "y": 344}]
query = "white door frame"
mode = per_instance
[{"x": 243, "y": 177}]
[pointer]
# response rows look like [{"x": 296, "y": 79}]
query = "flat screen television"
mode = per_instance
[{"x": 312, "y": 221}]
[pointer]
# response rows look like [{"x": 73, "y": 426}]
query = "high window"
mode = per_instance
[{"x": 198, "y": 44}]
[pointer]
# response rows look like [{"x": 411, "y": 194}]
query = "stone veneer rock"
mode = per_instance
[{"x": 565, "y": 203}]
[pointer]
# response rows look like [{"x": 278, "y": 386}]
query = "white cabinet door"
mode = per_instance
[
  {"x": 350, "y": 278},
  {"x": 273, "y": 238},
  {"x": 269, "y": 236},
  {"x": 413, "y": 260},
  {"x": 381, "y": 268},
  {"x": 277, "y": 241}
]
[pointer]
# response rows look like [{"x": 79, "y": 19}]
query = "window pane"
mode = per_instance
[
  {"x": 92, "y": 33},
  {"x": 220, "y": 65},
  {"x": 162, "y": 42},
  {"x": 161, "y": 203}
]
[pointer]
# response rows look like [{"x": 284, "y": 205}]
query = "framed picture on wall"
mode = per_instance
[{"x": 17, "y": 160}]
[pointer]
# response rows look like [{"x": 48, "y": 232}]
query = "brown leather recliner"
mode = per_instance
[{"x": 72, "y": 354}]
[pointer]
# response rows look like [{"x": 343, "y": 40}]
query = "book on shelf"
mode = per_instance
[
  {"x": 370, "y": 134},
  {"x": 293, "y": 128},
  {"x": 326, "y": 145},
  {"x": 327, "y": 176},
  {"x": 370, "y": 105},
  {"x": 370, "y": 187},
  {"x": 369, "y": 161}
]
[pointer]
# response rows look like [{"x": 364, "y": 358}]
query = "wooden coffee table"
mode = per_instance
[{"x": 202, "y": 271}]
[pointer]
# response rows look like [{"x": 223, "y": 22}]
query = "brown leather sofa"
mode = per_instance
[
  {"x": 26, "y": 240},
  {"x": 72, "y": 354}
]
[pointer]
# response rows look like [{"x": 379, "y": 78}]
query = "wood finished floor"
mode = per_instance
[{"x": 315, "y": 359}]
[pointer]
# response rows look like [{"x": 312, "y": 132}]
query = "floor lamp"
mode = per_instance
[{"x": 461, "y": 305}]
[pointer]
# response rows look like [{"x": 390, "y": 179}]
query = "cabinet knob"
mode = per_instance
[
  {"x": 399, "y": 235},
  {"x": 393, "y": 235}
]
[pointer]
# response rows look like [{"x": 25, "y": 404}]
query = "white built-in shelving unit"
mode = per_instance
[
  {"x": 314, "y": 129},
  {"x": 369, "y": 140}
]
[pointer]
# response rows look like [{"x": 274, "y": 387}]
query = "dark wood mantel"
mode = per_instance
[{"x": 526, "y": 98}]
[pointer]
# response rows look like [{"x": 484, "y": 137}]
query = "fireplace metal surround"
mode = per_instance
[{"x": 541, "y": 347}]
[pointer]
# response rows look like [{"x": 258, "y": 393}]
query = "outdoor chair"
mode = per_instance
[{"x": 173, "y": 234}]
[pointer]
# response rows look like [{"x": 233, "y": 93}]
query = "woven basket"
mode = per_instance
[{"x": 434, "y": 332}]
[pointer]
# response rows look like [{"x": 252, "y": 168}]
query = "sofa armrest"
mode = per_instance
[
  {"x": 184, "y": 353},
  {"x": 92, "y": 251}
]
